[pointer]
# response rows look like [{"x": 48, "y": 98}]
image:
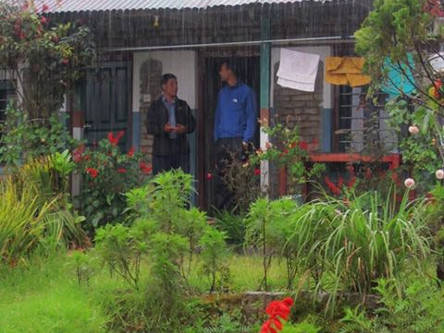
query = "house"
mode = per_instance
[{"x": 141, "y": 39}]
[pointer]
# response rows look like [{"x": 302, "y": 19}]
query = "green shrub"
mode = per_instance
[
  {"x": 214, "y": 255},
  {"x": 233, "y": 225},
  {"x": 121, "y": 251},
  {"x": 419, "y": 308},
  {"x": 22, "y": 221},
  {"x": 107, "y": 174}
]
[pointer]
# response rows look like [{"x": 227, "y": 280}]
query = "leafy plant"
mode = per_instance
[
  {"x": 25, "y": 139},
  {"x": 370, "y": 240},
  {"x": 214, "y": 255},
  {"x": 233, "y": 225},
  {"x": 121, "y": 252},
  {"x": 54, "y": 56},
  {"x": 288, "y": 151},
  {"x": 108, "y": 173},
  {"x": 263, "y": 232},
  {"x": 418, "y": 309},
  {"x": 21, "y": 221}
]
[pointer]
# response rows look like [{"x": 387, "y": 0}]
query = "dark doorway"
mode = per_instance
[
  {"x": 248, "y": 68},
  {"x": 106, "y": 102}
]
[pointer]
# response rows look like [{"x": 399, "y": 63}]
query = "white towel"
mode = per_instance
[{"x": 298, "y": 70}]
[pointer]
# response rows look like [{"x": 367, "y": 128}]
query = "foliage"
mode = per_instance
[
  {"x": 232, "y": 225},
  {"x": 54, "y": 54},
  {"x": 288, "y": 151},
  {"x": 21, "y": 221},
  {"x": 302, "y": 327},
  {"x": 421, "y": 151},
  {"x": 121, "y": 251},
  {"x": 107, "y": 174},
  {"x": 418, "y": 309},
  {"x": 214, "y": 256},
  {"x": 84, "y": 265},
  {"x": 393, "y": 29},
  {"x": 370, "y": 240},
  {"x": 24, "y": 138}
]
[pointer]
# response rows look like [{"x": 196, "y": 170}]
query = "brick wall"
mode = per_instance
[
  {"x": 150, "y": 75},
  {"x": 299, "y": 108}
]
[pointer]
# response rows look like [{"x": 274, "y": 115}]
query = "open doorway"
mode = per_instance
[{"x": 248, "y": 68}]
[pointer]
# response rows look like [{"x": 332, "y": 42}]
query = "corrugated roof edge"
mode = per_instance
[{"x": 62, "y": 6}]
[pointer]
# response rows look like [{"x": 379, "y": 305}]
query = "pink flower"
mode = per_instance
[
  {"x": 409, "y": 183},
  {"x": 65, "y": 61},
  {"x": 44, "y": 20},
  {"x": 413, "y": 130},
  {"x": 45, "y": 8},
  {"x": 209, "y": 176},
  {"x": 439, "y": 174}
]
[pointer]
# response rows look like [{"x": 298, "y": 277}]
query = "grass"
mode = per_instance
[{"x": 45, "y": 296}]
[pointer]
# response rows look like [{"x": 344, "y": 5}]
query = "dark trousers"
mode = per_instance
[
  {"x": 170, "y": 162},
  {"x": 227, "y": 149}
]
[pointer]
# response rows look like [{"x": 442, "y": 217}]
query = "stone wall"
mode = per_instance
[
  {"x": 299, "y": 108},
  {"x": 150, "y": 76}
]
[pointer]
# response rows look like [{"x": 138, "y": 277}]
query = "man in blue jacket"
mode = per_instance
[{"x": 234, "y": 125}]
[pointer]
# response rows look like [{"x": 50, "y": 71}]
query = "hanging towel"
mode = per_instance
[
  {"x": 399, "y": 78},
  {"x": 345, "y": 71},
  {"x": 298, "y": 70}
]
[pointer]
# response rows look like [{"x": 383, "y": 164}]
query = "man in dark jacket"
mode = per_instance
[{"x": 169, "y": 119}]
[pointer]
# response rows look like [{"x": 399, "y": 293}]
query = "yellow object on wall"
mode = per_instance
[{"x": 345, "y": 71}]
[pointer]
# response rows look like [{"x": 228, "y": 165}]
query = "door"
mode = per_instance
[
  {"x": 248, "y": 68},
  {"x": 107, "y": 102}
]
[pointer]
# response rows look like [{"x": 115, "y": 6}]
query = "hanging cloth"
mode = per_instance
[
  {"x": 345, "y": 71},
  {"x": 400, "y": 79},
  {"x": 298, "y": 70}
]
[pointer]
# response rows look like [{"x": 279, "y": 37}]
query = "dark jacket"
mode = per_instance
[{"x": 157, "y": 118}]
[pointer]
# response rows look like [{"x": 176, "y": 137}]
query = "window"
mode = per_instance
[{"x": 360, "y": 123}]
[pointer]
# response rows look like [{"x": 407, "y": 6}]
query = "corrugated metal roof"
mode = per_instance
[{"x": 59, "y": 6}]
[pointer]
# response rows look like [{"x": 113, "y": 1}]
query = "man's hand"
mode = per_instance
[
  {"x": 168, "y": 128},
  {"x": 180, "y": 129}
]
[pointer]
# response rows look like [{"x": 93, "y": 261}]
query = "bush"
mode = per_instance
[{"x": 107, "y": 174}]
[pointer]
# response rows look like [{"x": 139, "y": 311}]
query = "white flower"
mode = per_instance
[
  {"x": 409, "y": 183},
  {"x": 413, "y": 130},
  {"x": 439, "y": 174}
]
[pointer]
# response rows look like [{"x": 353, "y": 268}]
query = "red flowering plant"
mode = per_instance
[
  {"x": 288, "y": 151},
  {"x": 278, "y": 313},
  {"x": 52, "y": 54},
  {"x": 107, "y": 174}
]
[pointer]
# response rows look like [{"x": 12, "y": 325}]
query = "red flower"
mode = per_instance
[
  {"x": 303, "y": 145},
  {"x": 257, "y": 172},
  {"x": 44, "y": 20},
  {"x": 131, "y": 152},
  {"x": 92, "y": 172},
  {"x": 65, "y": 61},
  {"x": 209, "y": 176},
  {"x": 114, "y": 140},
  {"x": 145, "y": 168},
  {"x": 121, "y": 170},
  {"x": 332, "y": 187},
  {"x": 277, "y": 311}
]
